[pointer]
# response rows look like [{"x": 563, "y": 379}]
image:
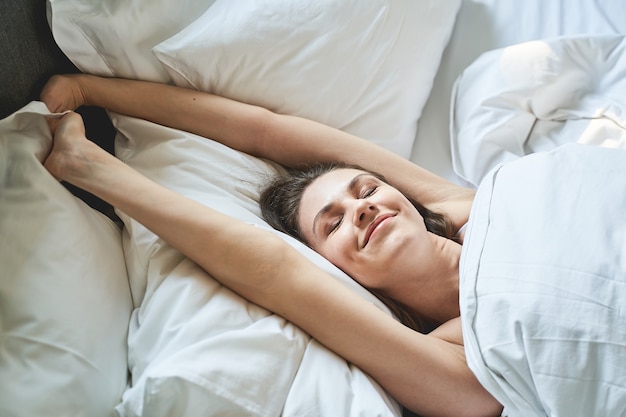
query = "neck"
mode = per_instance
[{"x": 434, "y": 292}]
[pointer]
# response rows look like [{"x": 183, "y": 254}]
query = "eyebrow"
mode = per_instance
[{"x": 352, "y": 186}]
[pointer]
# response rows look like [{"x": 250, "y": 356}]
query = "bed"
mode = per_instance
[{"x": 100, "y": 317}]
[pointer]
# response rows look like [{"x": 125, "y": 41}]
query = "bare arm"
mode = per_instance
[
  {"x": 289, "y": 140},
  {"x": 427, "y": 374}
]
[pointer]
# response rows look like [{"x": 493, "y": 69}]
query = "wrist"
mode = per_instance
[{"x": 81, "y": 95}]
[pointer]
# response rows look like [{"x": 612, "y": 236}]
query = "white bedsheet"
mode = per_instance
[{"x": 543, "y": 284}]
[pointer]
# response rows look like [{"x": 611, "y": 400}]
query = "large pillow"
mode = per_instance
[
  {"x": 366, "y": 67},
  {"x": 114, "y": 38},
  {"x": 195, "y": 347},
  {"x": 64, "y": 296}
]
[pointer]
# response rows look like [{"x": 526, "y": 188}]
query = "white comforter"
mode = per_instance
[
  {"x": 536, "y": 96},
  {"x": 543, "y": 285}
]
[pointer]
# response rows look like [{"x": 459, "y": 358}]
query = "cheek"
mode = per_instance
[
  {"x": 339, "y": 252},
  {"x": 334, "y": 252}
]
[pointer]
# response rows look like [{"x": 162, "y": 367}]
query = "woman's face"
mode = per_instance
[{"x": 364, "y": 226}]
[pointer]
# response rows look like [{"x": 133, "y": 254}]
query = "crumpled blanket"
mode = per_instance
[
  {"x": 543, "y": 283},
  {"x": 536, "y": 96}
]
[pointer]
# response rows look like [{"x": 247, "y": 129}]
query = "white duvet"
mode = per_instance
[
  {"x": 543, "y": 284},
  {"x": 544, "y": 261},
  {"x": 536, "y": 96}
]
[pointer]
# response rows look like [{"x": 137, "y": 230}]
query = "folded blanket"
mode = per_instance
[{"x": 543, "y": 283}]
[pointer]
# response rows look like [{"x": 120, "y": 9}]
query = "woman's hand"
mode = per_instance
[{"x": 63, "y": 92}]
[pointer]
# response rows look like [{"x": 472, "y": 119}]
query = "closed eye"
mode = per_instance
[
  {"x": 334, "y": 225},
  {"x": 369, "y": 191}
]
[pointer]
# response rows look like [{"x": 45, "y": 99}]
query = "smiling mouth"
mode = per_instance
[{"x": 374, "y": 226}]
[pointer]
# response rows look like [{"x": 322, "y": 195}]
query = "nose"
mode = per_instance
[{"x": 364, "y": 211}]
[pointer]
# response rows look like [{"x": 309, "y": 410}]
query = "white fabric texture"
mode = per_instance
[
  {"x": 545, "y": 254},
  {"x": 536, "y": 96},
  {"x": 364, "y": 67},
  {"x": 484, "y": 25},
  {"x": 64, "y": 295},
  {"x": 115, "y": 38}
]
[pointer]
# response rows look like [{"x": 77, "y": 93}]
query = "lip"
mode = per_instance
[{"x": 373, "y": 226}]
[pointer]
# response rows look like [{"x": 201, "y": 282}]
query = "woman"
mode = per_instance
[
  {"x": 426, "y": 373},
  {"x": 289, "y": 201},
  {"x": 370, "y": 230}
]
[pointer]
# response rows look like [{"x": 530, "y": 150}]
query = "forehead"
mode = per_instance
[
  {"x": 337, "y": 179},
  {"x": 326, "y": 187}
]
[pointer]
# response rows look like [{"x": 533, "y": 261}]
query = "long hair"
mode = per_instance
[{"x": 280, "y": 202}]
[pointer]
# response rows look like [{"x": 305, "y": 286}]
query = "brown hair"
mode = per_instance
[{"x": 280, "y": 202}]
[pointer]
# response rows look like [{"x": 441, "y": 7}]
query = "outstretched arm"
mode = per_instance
[
  {"x": 427, "y": 374},
  {"x": 289, "y": 140}
]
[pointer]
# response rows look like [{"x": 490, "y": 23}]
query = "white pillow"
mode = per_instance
[
  {"x": 366, "y": 67},
  {"x": 114, "y": 38},
  {"x": 195, "y": 347},
  {"x": 64, "y": 296}
]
